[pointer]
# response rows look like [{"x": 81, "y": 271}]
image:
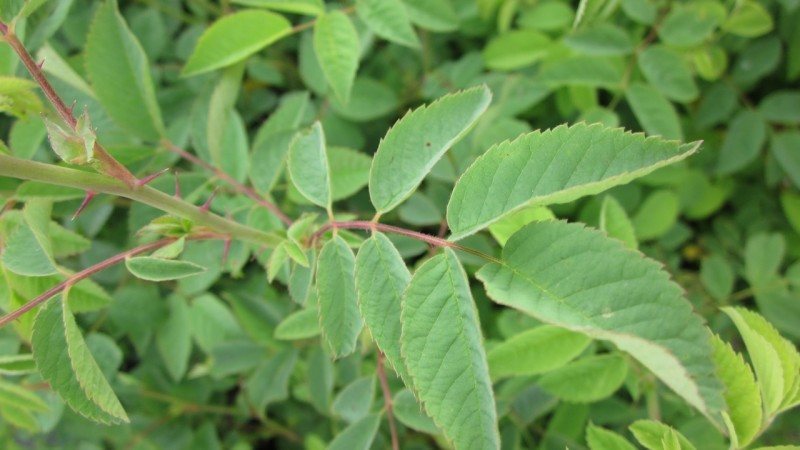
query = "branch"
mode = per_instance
[
  {"x": 241, "y": 188},
  {"x": 95, "y": 182},
  {"x": 108, "y": 164},
  {"x": 375, "y": 226},
  {"x": 387, "y": 400},
  {"x": 85, "y": 273}
]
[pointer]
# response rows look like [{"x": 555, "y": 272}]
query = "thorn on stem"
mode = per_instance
[
  {"x": 72, "y": 107},
  {"x": 177, "y": 193},
  {"x": 88, "y": 198},
  {"x": 40, "y": 64},
  {"x": 151, "y": 177},
  {"x": 207, "y": 205},
  {"x": 226, "y": 251}
]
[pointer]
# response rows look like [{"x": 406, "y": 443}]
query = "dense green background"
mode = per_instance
[{"x": 198, "y": 363}]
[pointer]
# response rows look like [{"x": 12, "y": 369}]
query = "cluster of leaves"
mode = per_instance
[{"x": 444, "y": 185}]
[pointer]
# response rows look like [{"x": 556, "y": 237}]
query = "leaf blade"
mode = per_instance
[{"x": 338, "y": 306}]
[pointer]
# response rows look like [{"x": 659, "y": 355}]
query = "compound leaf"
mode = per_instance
[
  {"x": 235, "y": 37},
  {"x": 443, "y": 349},
  {"x": 576, "y": 278},
  {"x": 64, "y": 360},
  {"x": 554, "y": 166},
  {"x": 120, "y": 74},
  {"x": 336, "y": 292},
  {"x": 416, "y": 142},
  {"x": 381, "y": 279}
]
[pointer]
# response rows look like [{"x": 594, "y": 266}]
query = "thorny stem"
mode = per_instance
[
  {"x": 85, "y": 273},
  {"x": 108, "y": 164},
  {"x": 241, "y": 188},
  {"x": 48, "y": 173},
  {"x": 376, "y": 226},
  {"x": 387, "y": 400}
]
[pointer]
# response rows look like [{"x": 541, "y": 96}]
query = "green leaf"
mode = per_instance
[
  {"x": 746, "y": 135},
  {"x": 655, "y": 113},
  {"x": 416, "y": 142},
  {"x": 656, "y": 215},
  {"x": 741, "y": 391},
  {"x": 337, "y": 48},
  {"x": 749, "y": 19},
  {"x": 410, "y": 413},
  {"x": 358, "y": 436},
  {"x": 270, "y": 382},
  {"x": 586, "y": 380},
  {"x": 784, "y": 145},
  {"x": 381, "y": 279},
  {"x": 302, "y": 324},
  {"x": 554, "y": 166},
  {"x": 616, "y": 223},
  {"x": 442, "y": 346},
  {"x": 19, "y": 397},
  {"x": 370, "y": 99},
  {"x": 308, "y": 7},
  {"x": 600, "y": 40},
  {"x": 515, "y": 49},
  {"x": 581, "y": 70},
  {"x": 235, "y": 37},
  {"x": 355, "y": 400},
  {"x": 775, "y": 359},
  {"x": 72, "y": 146},
  {"x": 599, "y": 438},
  {"x": 174, "y": 338},
  {"x": 25, "y": 255},
  {"x": 790, "y": 202},
  {"x": 573, "y": 277},
  {"x": 336, "y": 296},
  {"x": 308, "y": 165},
  {"x": 435, "y": 15},
  {"x": 781, "y": 107},
  {"x": 158, "y": 269},
  {"x": 717, "y": 277},
  {"x": 666, "y": 70},
  {"x": 652, "y": 435},
  {"x": 689, "y": 24},
  {"x": 120, "y": 74},
  {"x": 64, "y": 360},
  {"x": 389, "y": 20},
  {"x": 513, "y": 222},
  {"x": 349, "y": 171},
  {"x": 535, "y": 351}
]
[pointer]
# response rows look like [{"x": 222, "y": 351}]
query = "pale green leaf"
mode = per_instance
[
  {"x": 576, "y": 278},
  {"x": 64, "y": 360},
  {"x": 666, "y": 70},
  {"x": 270, "y": 382},
  {"x": 616, "y": 223},
  {"x": 389, "y": 20},
  {"x": 656, "y": 215},
  {"x": 600, "y": 40},
  {"x": 535, "y": 351},
  {"x": 554, "y": 166},
  {"x": 689, "y": 24},
  {"x": 24, "y": 255},
  {"x": 308, "y": 165},
  {"x": 442, "y": 346},
  {"x": 120, "y": 74},
  {"x": 370, "y": 99},
  {"x": 158, "y": 269},
  {"x": 435, "y": 15},
  {"x": 416, "y": 142},
  {"x": 652, "y": 435},
  {"x": 358, "y": 436},
  {"x": 355, "y": 400},
  {"x": 746, "y": 135},
  {"x": 349, "y": 171},
  {"x": 784, "y": 147},
  {"x": 655, "y": 114},
  {"x": 782, "y": 107},
  {"x": 775, "y": 359},
  {"x": 308, "y": 7},
  {"x": 582, "y": 70},
  {"x": 599, "y": 438},
  {"x": 174, "y": 338},
  {"x": 336, "y": 296},
  {"x": 513, "y": 222},
  {"x": 381, "y": 279},
  {"x": 515, "y": 49},
  {"x": 301, "y": 324},
  {"x": 717, "y": 276},
  {"x": 19, "y": 397},
  {"x": 749, "y": 19},
  {"x": 741, "y": 391},
  {"x": 587, "y": 379},
  {"x": 410, "y": 413},
  {"x": 337, "y": 48},
  {"x": 235, "y": 37}
]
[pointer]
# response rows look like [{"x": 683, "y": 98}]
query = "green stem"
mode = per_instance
[{"x": 62, "y": 176}]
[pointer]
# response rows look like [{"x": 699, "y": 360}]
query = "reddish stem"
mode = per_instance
[
  {"x": 241, "y": 188},
  {"x": 387, "y": 400},
  {"x": 109, "y": 165},
  {"x": 85, "y": 273}
]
